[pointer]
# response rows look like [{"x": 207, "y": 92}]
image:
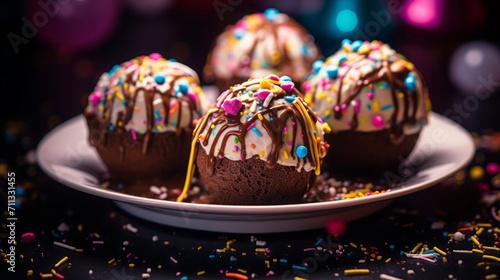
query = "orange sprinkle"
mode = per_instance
[
  {"x": 174, "y": 108},
  {"x": 252, "y": 145},
  {"x": 236, "y": 276}
]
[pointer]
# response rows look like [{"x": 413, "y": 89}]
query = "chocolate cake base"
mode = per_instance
[
  {"x": 250, "y": 182},
  {"x": 166, "y": 153},
  {"x": 366, "y": 154}
]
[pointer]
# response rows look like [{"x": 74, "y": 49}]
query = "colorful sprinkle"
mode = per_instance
[
  {"x": 301, "y": 151},
  {"x": 271, "y": 14},
  {"x": 256, "y": 131},
  {"x": 160, "y": 79},
  {"x": 378, "y": 121}
]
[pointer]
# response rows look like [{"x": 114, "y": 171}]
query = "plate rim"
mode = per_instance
[{"x": 46, "y": 166}]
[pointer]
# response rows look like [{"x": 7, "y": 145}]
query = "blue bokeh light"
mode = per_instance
[{"x": 346, "y": 20}]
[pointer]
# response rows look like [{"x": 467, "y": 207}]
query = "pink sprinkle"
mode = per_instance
[
  {"x": 357, "y": 106},
  {"x": 262, "y": 94},
  {"x": 293, "y": 123},
  {"x": 287, "y": 86},
  {"x": 173, "y": 260},
  {"x": 177, "y": 273},
  {"x": 285, "y": 130},
  {"x": 272, "y": 77},
  {"x": 193, "y": 97},
  {"x": 378, "y": 121},
  {"x": 289, "y": 143},
  {"x": 28, "y": 237},
  {"x": 97, "y": 242},
  {"x": 155, "y": 56},
  {"x": 336, "y": 227},
  {"x": 492, "y": 168},
  {"x": 309, "y": 249},
  {"x": 270, "y": 273},
  {"x": 343, "y": 106},
  {"x": 370, "y": 95},
  {"x": 324, "y": 83},
  {"x": 128, "y": 255},
  {"x": 306, "y": 85},
  {"x": 232, "y": 106},
  {"x": 59, "y": 275},
  {"x": 236, "y": 148},
  {"x": 251, "y": 126},
  {"x": 336, "y": 108},
  {"x": 134, "y": 135},
  {"x": 95, "y": 97},
  {"x": 219, "y": 156}
]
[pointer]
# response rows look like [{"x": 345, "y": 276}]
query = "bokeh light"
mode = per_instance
[
  {"x": 346, "y": 20},
  {"x": 423, "y": 13},
  {"x": 475, "y": 66},
  {"x": 73, "y": 25}
]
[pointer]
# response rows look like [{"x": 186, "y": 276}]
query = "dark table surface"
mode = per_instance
[{"x": 48, "y": 86}]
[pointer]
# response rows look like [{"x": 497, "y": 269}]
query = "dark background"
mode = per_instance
[{"x": 46, "y": 82}]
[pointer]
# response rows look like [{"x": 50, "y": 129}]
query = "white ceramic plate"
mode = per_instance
[{"x": 443, "y": 148}]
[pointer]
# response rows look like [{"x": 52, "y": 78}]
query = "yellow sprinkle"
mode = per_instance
[
  {"x": 329, "y": 99},
  {"x": 260, "y": 116},
  {"x": 61, "y": 262},
  {"x": 415, "y": 249},
  {"x": 299, "y": 278},
  {"x": 441, "y": 252},
  {"x": 200, "y": 272},
  {"x": 78, "y": 250},
  {"x": 487, "y": 225},
  {"x": 496, "y": 230},
  {"x": 261, "y": 154},
  {"x": 479, "y": 231},
  {"x": 199, "y": 247},
  {"x": 327, "y": 113},
  {"x": 158, "y": 127},
  {"x": 326, "y": 127},
  {"x": 356, "y": 271},
  {"x": 401, "y": 95},
  {"x": 265, "y": 84},
  {"x": 29, "y": 272},
  {"x": 53, "y": 271},
  {"x": 388, "y": 260},
  {"x": 491, "y": 258},
  {"x": 475, "y": 241},
  {"x": 131, "y": 265},
  {"x": 379, "y": 257},
  {"x": 260, "y": 250},
  {"x": 491, "y": 277},
  {"x": 212, "y": 126},
  {"x": 111, "y": 261},
  {"x": 477, "y": 251},
  {"x": 46, "y": 275},
  {"x": 242, "y": 270},
  {"x": 353, "y": 245},
  {"x": 267, "y": 263},
  {"x": 322, "y": 95},
  {"x": 363, "y": 120},
  {"x": 285, "y": 154},
  {"x": 275, "y": 59},
  {"x": 376, "y": 106},
  {"x": 490, "y": 248},
  {"x": 364, "y": 49}
]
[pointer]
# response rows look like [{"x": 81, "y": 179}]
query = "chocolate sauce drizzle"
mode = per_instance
[
  {"x": 284, "y": 64},
  {"x": 130, "y": 96},
  {"x": 279, "y": 114},
  {"x": 394, "y": 73}
]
